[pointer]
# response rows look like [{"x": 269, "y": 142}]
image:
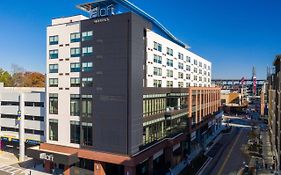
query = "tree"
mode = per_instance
[
  {"x": 6, "y": 78},
  {"x": 34, "y": 79}
]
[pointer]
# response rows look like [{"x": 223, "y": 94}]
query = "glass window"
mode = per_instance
[
  {"x": 53, "y": 103},
  {"x": 157, "y": 59},
  {"x": 53, "y": 82},
  {"x": 75, "y": 105},
  {"x": 87, "y": 51},
  {"x": 87, "y": 35},
  {"x": 170, "y": 62},
  {"x": 170, "y": 51},
  {"x": 180, "y": 65},
  {"x": 180, "y": 56},
  {"x": 157, "y": 46},
  {"x": 53, "y": 54},
  {"x": 187, "y": 67},
  {"x": 188, "y": 59},
  {"x": 169, "y": 73},
  {"x": 75, "y": 67},
  {"x": 169, "y": 83},
  {"x": 180, "y": 84},
  {"x": 53, "y": 68},
  {"x": 53, "y": 40},
  {"x": 87, "y": 102},
  {"x": 75, "y": 82},
  {"x": 188, "y": 76},
  {"x": 75, "y": 52},
  {"x": 157, "y": 71},
  {"x": 87, "y": 82},
  {"x": 75, "y": 132},
  {"x": 87, "y": 129},
  {"x": 53, "y": 129},
  {"x": 195, "y": 62},
  {"x": 157, "y": 83},
  {"x": 75, "y": 37},
  {"x": 180, "y": 75},
  {"x": 87, "y": 66}
]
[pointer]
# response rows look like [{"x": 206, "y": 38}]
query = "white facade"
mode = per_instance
[
  {"x": 63, "y": 28},
  {"x": 191, "y": 70},
  {"x": 34, "y": 112}
]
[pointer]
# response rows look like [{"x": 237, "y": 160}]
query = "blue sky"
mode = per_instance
[{"x": 234, "y": 35}]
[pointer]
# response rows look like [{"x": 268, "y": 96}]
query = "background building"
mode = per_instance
[
  {"x": 124, "y": 96},
  {"x": 34, "y": 114}
]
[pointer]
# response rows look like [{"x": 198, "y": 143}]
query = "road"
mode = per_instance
[{"x": 232, "y": 157}]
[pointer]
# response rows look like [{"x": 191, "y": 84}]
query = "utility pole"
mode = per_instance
[{"x": 21, "y": 128}]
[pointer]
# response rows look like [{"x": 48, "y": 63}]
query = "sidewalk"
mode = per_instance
[{"x": 267, "y": 154}]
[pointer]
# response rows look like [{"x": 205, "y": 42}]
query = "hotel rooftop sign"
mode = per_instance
[{"x": 103, "y": 8}]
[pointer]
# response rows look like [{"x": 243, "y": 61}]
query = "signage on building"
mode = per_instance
[
  {"x": 102, "y": 11},
  {"x": 193, "y": 136},
  {"x": 45, "y": 156}
]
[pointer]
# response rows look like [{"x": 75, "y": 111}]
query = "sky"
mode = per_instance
[{"x": 234, "y": 35}]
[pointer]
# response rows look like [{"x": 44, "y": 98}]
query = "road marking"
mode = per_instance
[{"x": 230, "y": 152}]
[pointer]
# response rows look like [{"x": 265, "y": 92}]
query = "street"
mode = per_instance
[{"x": 232, "y": 157}]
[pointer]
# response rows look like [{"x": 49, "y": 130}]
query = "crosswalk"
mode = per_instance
[{"x": 10, "y": 170}]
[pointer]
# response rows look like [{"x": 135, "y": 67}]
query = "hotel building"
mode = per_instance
[{"x": 124, "y": 96}]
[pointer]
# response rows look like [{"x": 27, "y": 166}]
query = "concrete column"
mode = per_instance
[
  {"x": 130, "y": 170},
  {"x": 66, "y": 170},
  {"x": 150, "y": 166},
  {"x": 99, "y": 168},
  {"x": 21, "y": 128}
]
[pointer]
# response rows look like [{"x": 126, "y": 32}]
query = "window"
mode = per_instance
[
  {"x": 157, "y": 46},
  {"x": 53, "y": 129},
  {"x": 200, "y": 78},
  {"x": 53, "y": 103},
  {"x": 9, "y": 116},
  {"x": 75, "y": 82},
  {"x": 188, "y": 59},
  {"x": 74, "y": 105},
  {"x": 195, "y": 70},
  {"x": 53, "y": 40},
  {"x": 53, "y": 54},
  {"x": 75, "y": 52},
  {"x": 180, "y": 84},
  {"x": 157, "y": 59},
  {"x": 34, "y": 104},
  {"x": 87, "y": 129},
  {"x": 87, "y": 103},
  {"x": 170, "y": 51},
  {"x": 205, "y": 66},
  {"x": 200, "y": 64},
  {"x": 200, "y": 71},
  {"x": 157, "y": 83},
  {"x": 75, "y": 37},
  {"x": 180, "y": 75},
  {"x": 195, "y": 62},
  {"x": 188, "y": 76},
  {"x": 87, "y": 82},
  {"x": 53, "y": 68},
  {"x": 87, "y": 66},
  {"x": 53, "y": 82},
  {"x": 187, "y": 67},
  {"x": 10, "y": 103},
  {"x": 187, "y": 84},
  {"x": 180, "y": 56},
  {"x": 87, "y": 51},
  {"x": 195, "y": 77},
  {"x": 169, "y": 73},
  {"x": 209, "y": 68},
  {"x": 157, "y": 71},
  {"x": 35, "y": 118},
  {"x": 205, "y": 73},
  {"x": 75, "y": 67},
  {"x": 208, "y": 73},
  {"x": 180, "y": 65},
  {"x": 87, "y": 35},
  {"x": 75, "y": 132},
  {"x": 169, "y": 83},
  {"x": 170, "y": 62}
]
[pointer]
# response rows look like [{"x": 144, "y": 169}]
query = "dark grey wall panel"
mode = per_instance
[{"x": 118, "y": 72}]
